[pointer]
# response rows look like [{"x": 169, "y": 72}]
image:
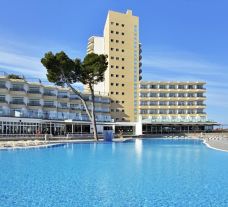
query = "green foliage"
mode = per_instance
[
  {"x": 60, "y": 68},
  {"x": 13, "y": 76},
  {"x": 93, "y": 69}
]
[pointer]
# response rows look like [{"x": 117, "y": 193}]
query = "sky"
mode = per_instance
[{"x": 181, "y": 39}]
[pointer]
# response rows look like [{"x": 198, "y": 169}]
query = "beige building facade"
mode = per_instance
[
  {"x": 121, "y": 45},
  {"x": 172, "y": 101}
]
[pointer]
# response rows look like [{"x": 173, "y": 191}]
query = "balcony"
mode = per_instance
[
  {"x": 34, "y": 92},
  {"x": 17, "y": 89},
  {"x": 49, "y": 94},
  {"x": 3, "y": 100},
  {"x": 17, "y": 102},
  {"x": 34, "y": 104},
  {"x": 63, "y": 96},
  {"x": 49, "y": 106},
  {"x": 63, "y": 107},
  {"x": 3, "y": 86},
  {"x": 74, "y": 98}
]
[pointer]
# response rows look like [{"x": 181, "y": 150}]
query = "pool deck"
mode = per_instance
[{"x": 221, "y": 144}]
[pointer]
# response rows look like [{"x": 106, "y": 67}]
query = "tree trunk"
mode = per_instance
[
  {"x": 94, "y": 123},
  {"x": 90, "y": 115}
]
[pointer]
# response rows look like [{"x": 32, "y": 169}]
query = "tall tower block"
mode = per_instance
[{"x": 121, "y": 44}]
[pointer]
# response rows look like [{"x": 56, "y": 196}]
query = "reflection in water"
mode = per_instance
[
  {"x": 69, "y": 149},
  {"x": 138, "y": 148},
  {"x": 113, "y": 147}
]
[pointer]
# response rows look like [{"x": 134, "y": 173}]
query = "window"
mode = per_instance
[
  {"x": 112, "y": 40},
  {"x": 111, "y": 49},
  {"x": 111, "y": 31},
  {"x": 117, "y": 49},
  {"x": 112, "y": 23},
  {"x": 153, "y": 103},
  {"x": 111, "y": 92},
  {"x": 122, "y": 25},
  {"x": 122, "y": 50},
  {"x": 143, "y": 86},
  {"x": 172, "y": 95},
  {"x": 122, "y": 42},
  {"x": 123, "y": 68},
  {"x": 117, "y": 41},
  {"x": 172, "y": 103},
  {"x": 123, "y": 119},
  {"x": 122, "y": 110},
  {"x": 117, "y": 119},
  {"x": 122, "y": 93},
  {"x": 117, "y": 101},
  {"x": 117, "y": 76},
  {"x": 122, "y": 33},
  {"x": 117, "y": 58},
  {"x": 191, "y": 95},
  {"x": 190, "y": 86},
  {"x": 112, "y": 75},
  {"x": 117, "y": 93},
  {"x": 181, "y": 95},
  {"x": 117, "y": 67},
  {"x": 112, "y": 84},
  {"x": 117, "y": 32},
  {"x": 122, "y": 102},
  {"x": 153, "y": 86},
  {"x": 112, "y": 110},
  {"x": 171, "y": 86},
  {"x": 162, "y": 94},
  {"x": 122, "y": 59},
  {"x": 112, "y": 57},
  {"x": 117, "y": 84},
  {"x": 123, "y": 84},
  {"x": 117, "y": 24},
  {"x": 162, "y": 87},
  {"x": 112, "y": 66},
  {"x": 162, "y": 103},
  {"x": 117, "y": 110},
  {"x": 153, "y": 95},
  {"x": 112, "y": 101},
  {"x": 181, "y": 87},
  {"x": 199, "y": 86},
  {"x": 122, "y": 76}
]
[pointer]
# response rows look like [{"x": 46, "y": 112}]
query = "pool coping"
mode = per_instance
[{"x": 65, "y": 142}]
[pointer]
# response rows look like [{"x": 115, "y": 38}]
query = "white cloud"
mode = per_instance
[{"x": 22, "y": 64}]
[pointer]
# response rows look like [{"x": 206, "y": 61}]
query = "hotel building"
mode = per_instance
[
  {"x": 173, "y": 107},
  {"x": 27, "y": 107}
]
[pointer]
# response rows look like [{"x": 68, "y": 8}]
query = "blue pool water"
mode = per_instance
[{"x": 136, "y": 173}]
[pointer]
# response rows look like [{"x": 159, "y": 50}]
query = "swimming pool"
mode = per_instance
[{"x": 151, "y": 172}]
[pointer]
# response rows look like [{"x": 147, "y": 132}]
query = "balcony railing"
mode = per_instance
[
  {"x": 17, "y": 89},
  {"x": 74, "y": 98},
  {"x": 3, "y": 86},
  {"x": 2, "y": 100},
  {"x": 34, "y": 92},
  {"x": 49, "y": 105},
  {"x": 17, "y": 102},
  {"x": 49, "y": 94},
  {"x": 63, "y": 107},
  {"x": 34, "y": 104},
  {"x": 63, "y": 96}
]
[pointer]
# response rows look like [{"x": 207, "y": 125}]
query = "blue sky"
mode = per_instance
[{"x": 182, "y": 39}]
